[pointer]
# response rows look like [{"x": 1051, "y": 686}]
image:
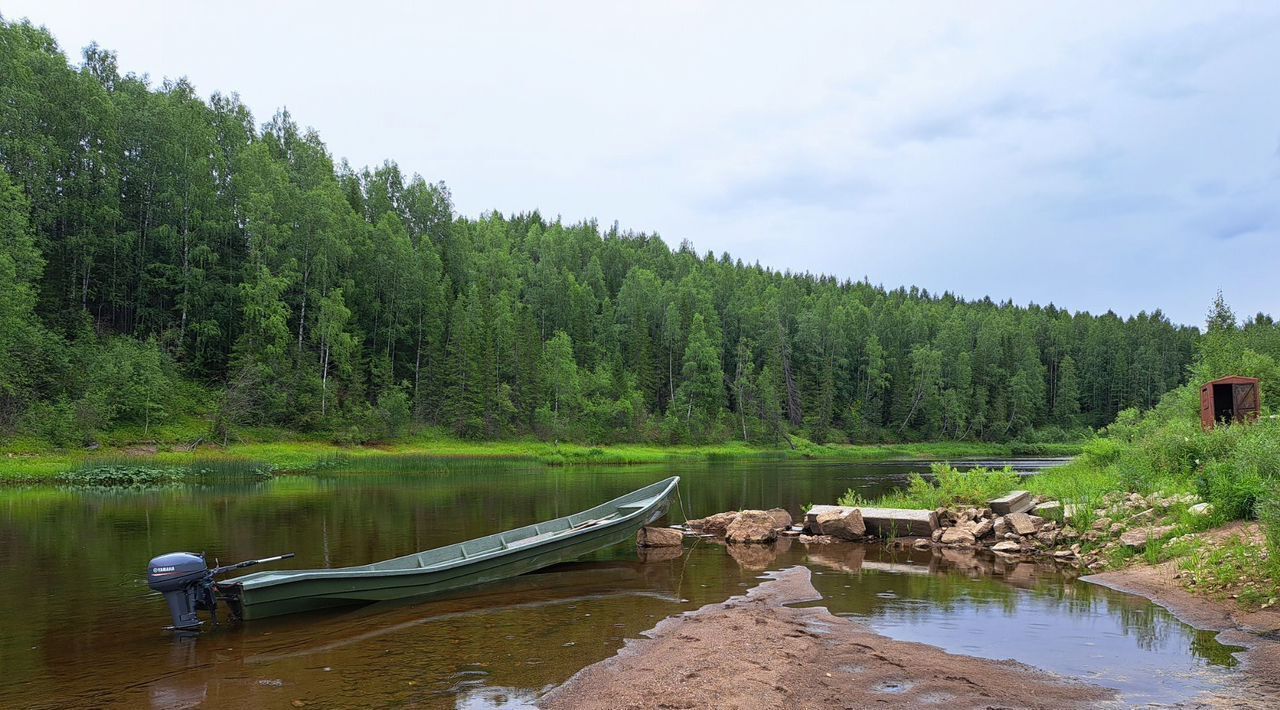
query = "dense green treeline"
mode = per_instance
[{"x": 163, "y": 255}]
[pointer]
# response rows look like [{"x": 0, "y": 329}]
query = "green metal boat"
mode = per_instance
[{"x": 483, "y": 559}]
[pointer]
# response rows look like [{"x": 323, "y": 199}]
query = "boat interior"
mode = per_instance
[{"x": 614, "y": 510}]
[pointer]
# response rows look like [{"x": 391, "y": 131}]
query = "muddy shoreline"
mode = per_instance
[{"x": 753, "y": 651}]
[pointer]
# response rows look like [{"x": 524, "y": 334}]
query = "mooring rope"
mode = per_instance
[{"x": 680, "y": 499}]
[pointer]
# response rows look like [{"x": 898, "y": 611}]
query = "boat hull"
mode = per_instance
[{"x": 248, "y": 601}]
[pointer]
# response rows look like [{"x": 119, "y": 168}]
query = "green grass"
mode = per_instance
[
  {"x": 28, "y": 461},
  {"x": 949, "y": 487},
  {"x": 1233, "y": 567}
]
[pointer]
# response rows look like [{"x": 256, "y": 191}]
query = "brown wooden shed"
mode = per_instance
[{"x": 1229, "y": 399}]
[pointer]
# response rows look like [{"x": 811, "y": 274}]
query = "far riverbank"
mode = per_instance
[{"x": 302, "y": 455}]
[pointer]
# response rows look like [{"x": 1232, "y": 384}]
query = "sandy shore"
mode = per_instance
[
  {"x": 754, "y": 652},
  {"x": 1257, "y": 631}
]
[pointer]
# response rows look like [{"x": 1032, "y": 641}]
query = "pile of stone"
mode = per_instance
[
  {"x": 746, "y": 527},
  {"x": 1015, "y": 524},
  {"x": 1131, "y": 520}
]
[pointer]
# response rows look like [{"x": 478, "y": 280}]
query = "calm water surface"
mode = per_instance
[{"x": 78, "y": 627}]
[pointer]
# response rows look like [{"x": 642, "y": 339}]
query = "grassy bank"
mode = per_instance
[
  {"x": 291, "y": 455},
  {"x": 1163, "y": 455}
]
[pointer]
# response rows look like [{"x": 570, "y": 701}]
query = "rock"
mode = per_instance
[
  {"x": 967, "y": 526},
  {"x": 659, "y": 537},
  {"x": 957, "y": 536},
  {"x": 1048, "y": 538},
  {"x": 753, "y": 527},
  {"x": 1142, "y": 517},
  {"x": 937, "y": 534},
  {"x": 1101, "y": 524},
  {"x": 716, "y": 524},
  {"x": 983, "y": 529},
  {"x": 1115, "y": 529},
  {"x": 1069, "y": 513},
  {"x": 790, "y": 532},
  {"x": 816, "y": 539},
  {"x": 1021, "y": 523},
  {"x": 1014, "y": 502},
  {"x": 1201, "y": 509},
  {"x": 1000, "y": 527},
  {"x": 1138, "y": 539},
  {"x": 1063, "y": 553},
  {"x": 781, "y": 518},
  {"x": 845, "y": 524},
  {"x": 1069, "y": 533},
  {"x": 1013, "y": 536},
  {"x": 1049, "y": 509},
  {"x": 922, "y": 543},
  {"x": 1007, "y": 546}
]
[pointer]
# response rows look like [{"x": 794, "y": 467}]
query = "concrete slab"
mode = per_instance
[
  {"x": 883, "y": 522},
  {"x": 1013, "y": 502}
]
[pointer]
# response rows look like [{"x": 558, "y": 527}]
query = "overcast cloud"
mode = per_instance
[{"x": 1097, "y": 156}]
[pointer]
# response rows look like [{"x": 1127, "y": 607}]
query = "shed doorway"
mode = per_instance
[{"x": 1224, "y": 409}]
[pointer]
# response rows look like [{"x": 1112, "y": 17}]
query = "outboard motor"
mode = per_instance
[
  {"x": 187, "y": 584},
  {"x": 184, "y": 580}
]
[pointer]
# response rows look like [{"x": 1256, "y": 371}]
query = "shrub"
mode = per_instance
[{"x": 952, "y": 487}]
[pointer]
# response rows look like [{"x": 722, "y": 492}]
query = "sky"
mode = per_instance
[{"x": 1098, "y": 156}]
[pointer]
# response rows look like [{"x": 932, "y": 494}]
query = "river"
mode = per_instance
[{"x": 78, "y": 626}]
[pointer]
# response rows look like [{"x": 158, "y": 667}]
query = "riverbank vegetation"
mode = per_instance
[
  {"x": 1233, "y": 467},
  {"x": 171, "y": 268},
  {"x": 297, "y": 456}
]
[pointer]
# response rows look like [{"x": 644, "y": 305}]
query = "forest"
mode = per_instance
[{"x": 164, "y": 256}]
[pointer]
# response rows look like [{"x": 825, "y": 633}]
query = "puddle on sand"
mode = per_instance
[{"x": 1032, "y": 613}]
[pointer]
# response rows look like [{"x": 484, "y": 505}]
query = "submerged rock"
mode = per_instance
[
  {"x": 751, "y": 527},
  {"x": 844, "y": 524},
  {"x": 659, "y": 537},
  {"x": 816, "y": 539}
]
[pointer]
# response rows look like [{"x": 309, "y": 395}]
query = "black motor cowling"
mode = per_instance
[{"x": 187, "y": 585}]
